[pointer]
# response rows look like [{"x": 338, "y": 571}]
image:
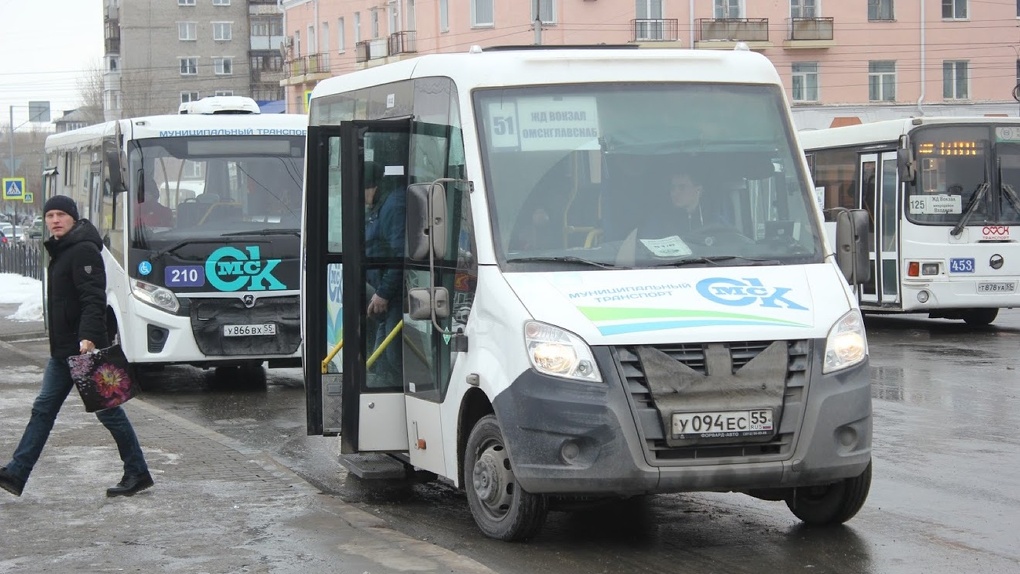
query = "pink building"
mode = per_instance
[{"x": 843, "y": 62}]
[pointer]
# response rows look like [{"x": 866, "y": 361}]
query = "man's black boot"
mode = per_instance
[
  {"x": 11, "y": 483},
  {"x": 129, "y": 485}
]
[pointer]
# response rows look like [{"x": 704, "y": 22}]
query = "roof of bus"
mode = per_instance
[
  {"x": 172, "y": 125},
  {"x": 512, "y": 67},
  {"x": 886, "y": 131}
]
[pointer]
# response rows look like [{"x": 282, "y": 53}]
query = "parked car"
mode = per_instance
[
  {"x": 36, "y": 231},
  {"x": 7, "y": 229},
  {"x": 3, "y": 238}
]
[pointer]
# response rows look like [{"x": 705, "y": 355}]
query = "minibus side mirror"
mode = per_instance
[
  {"x": 852, "y": 245},
  {"x": 426, "y": 221},
  {"x": 422, "y": 300}
]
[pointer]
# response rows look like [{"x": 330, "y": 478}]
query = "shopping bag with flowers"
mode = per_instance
[{"x": 103, "y": 378}]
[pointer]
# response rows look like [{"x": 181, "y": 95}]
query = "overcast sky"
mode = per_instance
[{"x": 45, "y": 46}]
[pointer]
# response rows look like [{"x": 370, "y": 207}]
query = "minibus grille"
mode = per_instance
[
  {"x": 693, "y": 356},
  {"x": 210, "y": 315}
]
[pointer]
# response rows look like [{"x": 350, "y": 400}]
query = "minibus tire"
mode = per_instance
[
  {"x": 501, "y": 508},
  {"x": 833, "y": 503}
]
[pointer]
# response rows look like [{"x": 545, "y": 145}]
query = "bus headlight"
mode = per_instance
[
  {"x": 158, "y": 297},
  {"x": 559, "y": 353},
  {"x": 846, "y": 344}
]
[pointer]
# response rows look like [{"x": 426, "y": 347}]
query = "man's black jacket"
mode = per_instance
[{"x": 76, "y": 290}]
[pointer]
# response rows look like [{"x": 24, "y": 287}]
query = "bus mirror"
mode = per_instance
[
  {"x": 852, "y": 245},
  {"x": 113, "y": 172},
  {"x": 905, "y": 162},
  {"x": 422, "y": 301},
  {"x": 424, "y": 231}
]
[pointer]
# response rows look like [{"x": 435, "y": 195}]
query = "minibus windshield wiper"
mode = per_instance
[
  {"x": 716, "y": 260},
  {"x": 296, "y": 232},
  {"x": 565, "y": 259}
]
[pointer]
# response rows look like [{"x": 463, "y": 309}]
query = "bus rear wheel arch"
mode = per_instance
[{"x": 501, "y": 508}]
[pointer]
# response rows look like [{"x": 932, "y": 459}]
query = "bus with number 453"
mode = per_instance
[
  {"x": 484, "y": 305},
  {"x": 200, "y": 215},
  {"x": 942, "y": 204}
]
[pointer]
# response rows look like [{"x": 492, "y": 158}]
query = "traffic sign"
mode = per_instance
[
  {"x": 29, "y": 197},
  {"x": 14, "y": 188}
]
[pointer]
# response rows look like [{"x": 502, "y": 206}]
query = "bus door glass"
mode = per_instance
[
  {"x": 879, "y": 184},
  {"x": 354, "y": 284}
]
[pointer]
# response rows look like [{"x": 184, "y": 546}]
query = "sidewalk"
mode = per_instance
[{"x": 218, "y": 506}]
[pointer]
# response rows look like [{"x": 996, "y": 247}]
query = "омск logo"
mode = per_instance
[
  {"x": 736, "y": 293},
  {"x": 244, "y": 268}
]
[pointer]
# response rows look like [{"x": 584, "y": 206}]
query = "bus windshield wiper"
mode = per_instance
[
  {"x": 288, "y": 231},
  {"x": 716, "y": 260},
  {"x": 156, "y": 255},
  {"x": 979, "y": 196},
  {"x": 565, "y": 259}
]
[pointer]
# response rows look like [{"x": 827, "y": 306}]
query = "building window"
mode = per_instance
[
  {"x": 341, "y": 40},
  {"x": 954, "y": 9},
  {"x": 221, "y": 31},
  {"x": 189, "y": 97},
  {"x": 729, "y": 9},
  {"x": 375, "y": 23},
  {"x": 805, "y": 82},
  {"x": 324, "y": 39},
  {"x": 224, "y": 92},
  {"x": 880, "y": 9},
  {"x": 187, "y": 31},
  {"x": 297, "y": 44},
  {"x": 267, "y": 62},
  {"x": 189, "y": 66},
  {"x": 546, "y": 11},
  {"x": 357, "y": 27},
  {"x": 882, "y": 81},
  {"x": 954, "y": 80},
  {"x": 223, "y": 66},
  {"x": 185, "y": 2},
  {"x": 221, "y": 3},
  {"x": 803, "y": 9},
  {"x": 481, "y": 13},
  {"x": 444, "y": 14}
]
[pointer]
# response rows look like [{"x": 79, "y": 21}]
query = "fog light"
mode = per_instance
[
  {"x": 929, "y": 269},
  {"x": 570, "y": 450},
  {"x": 922, "y": 296},
  {"x": 847, "y": 437}
]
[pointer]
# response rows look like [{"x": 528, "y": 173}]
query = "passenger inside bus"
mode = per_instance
[
  {"x": 152, "y": 213},
  {"x": 385, "y": 207}
]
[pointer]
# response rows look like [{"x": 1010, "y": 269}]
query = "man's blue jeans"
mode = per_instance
[{"x": 57, "y": 383}]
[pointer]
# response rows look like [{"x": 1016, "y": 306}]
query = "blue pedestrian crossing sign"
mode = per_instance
[
  {"x": 14, "y": 188},
  {"x": 29, "y": 197}
]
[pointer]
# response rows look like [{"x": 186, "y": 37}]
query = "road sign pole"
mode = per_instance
[{"x": 10, "y": 136}]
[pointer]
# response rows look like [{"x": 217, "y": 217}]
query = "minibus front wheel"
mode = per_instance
[
  {"x": 832, "y": 503},
  {"x": 501, "y": 508}
]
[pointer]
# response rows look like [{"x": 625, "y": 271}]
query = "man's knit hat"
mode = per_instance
[{"x": 61, "y": 203}]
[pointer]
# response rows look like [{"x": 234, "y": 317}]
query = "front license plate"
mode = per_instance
[
  {"x": 723, "y": 424},
  {"x": 249, "y": 330},
  {"x": 997, "y": 287}
]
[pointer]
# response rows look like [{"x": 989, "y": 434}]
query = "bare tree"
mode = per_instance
[{"x": 90, "y": 92}]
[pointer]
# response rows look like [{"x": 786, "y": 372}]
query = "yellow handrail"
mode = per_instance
[{"x": 336, "y": 349}]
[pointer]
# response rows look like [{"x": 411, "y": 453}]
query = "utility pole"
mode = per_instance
[
  {"x": 10, "y": 136},
  {"x": 538, "y": 22}
]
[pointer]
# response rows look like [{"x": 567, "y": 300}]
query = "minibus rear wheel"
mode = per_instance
[
  {"x": 832, "y": 503},
  {"x": 501, "y": 508}
]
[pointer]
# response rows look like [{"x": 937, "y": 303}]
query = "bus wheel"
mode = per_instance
[
  {"x": 831, "y": 503},
  {"x": 980, "y": 317},
  {"x": 500, "y": 507}
]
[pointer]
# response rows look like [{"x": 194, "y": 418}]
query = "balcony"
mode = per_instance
[
  {"x": 403, "y": 42},
  {"x": 726, "y": 32},
  {"x": 809, "y": 33},
  {"x": 366, "y": 50},
  {"x": 306, "y": 69},
  {"x": 655, "y": 30}
]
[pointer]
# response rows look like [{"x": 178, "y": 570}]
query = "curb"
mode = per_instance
[{"x": 16, "y": 337}]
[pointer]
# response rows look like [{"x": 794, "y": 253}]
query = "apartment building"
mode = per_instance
[
  {"x": 841, "y": 61},
  {"x": 161, "y": 53}
]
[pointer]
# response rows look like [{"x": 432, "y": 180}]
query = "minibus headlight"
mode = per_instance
[
  {"x": 559, "y": 353},
  {"x": 846, "y": 344},
  {"x": 159, "y": 297}
]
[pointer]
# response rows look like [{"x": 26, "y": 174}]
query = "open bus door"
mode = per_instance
[
  {"x": 347, "y": 393},
  {"x": 878, "y": 174}
]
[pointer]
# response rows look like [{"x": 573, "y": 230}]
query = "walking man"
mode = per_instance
[{"x": 76, "y": 307}]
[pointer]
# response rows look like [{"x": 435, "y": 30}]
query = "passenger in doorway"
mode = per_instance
[
  {"x": 385, "y": 206},
  {"x": 683, "y": 213}
]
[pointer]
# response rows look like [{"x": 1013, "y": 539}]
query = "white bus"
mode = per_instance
[
  {"x": 548, "y": 351},
  {"x": 942, "y": 203},
  {"x": 200, "y": 214}
]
